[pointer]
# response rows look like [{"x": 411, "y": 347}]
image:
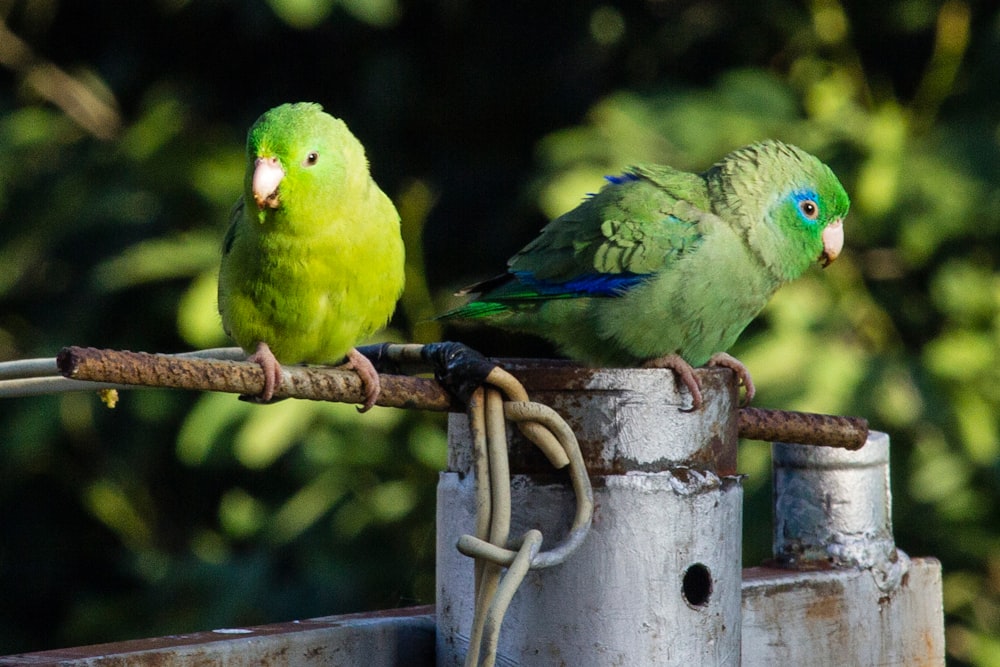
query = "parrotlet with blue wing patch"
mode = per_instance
[{"x": 665, "y": 268}]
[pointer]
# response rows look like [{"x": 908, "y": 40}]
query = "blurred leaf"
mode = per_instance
[
  {"x": 240, "y": 514},
  {"x": 302, "y": 13},
  {"x": 267, "y": 433},
  {"x": 198, "y": 320},
  {"x": 112, "y": 505},
  {"x": 306, "y": 507},
  {"x": 157, "y": 259}
]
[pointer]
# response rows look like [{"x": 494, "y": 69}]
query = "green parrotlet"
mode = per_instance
[
  {"x": 665, "y": 268},
  {"x": 312, "y": 262}
]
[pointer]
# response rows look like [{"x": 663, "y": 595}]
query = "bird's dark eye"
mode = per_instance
[
  {"x": 809, "y": 209},
  {"x": 311, "y": 159}
]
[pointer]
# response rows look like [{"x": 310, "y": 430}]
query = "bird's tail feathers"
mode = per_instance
[
  {"x": 475, "y": 310},
  {"x": 484, "y": 286}
]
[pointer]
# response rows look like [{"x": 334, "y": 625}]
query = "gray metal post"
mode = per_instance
[
  {"x": 843, "y": 594},
  {"x": 657, "y": 581},
  {"x": 833, "y": 506}
]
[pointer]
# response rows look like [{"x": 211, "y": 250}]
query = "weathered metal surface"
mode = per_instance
[
  {"x": 657, "y": 579},
  {"x": 846, "y": 594},
  {"x": 655, "y": 582},
  {"x": 379, "y": 639},
  {"x": 626, "y": 420},
  {"x": 842, "y": 617},
  {"x": 833, "y": 507}
]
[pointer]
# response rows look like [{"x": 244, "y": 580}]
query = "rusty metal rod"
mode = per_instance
[
  {"x": 803, "y": 428},
  {"x": 242, "y": 377},
  {"x": 398, "y": 391}
]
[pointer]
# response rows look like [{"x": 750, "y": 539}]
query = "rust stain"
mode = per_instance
[
  {"x": 825, "y": 608},
  {"x": 932, "y": 654}
]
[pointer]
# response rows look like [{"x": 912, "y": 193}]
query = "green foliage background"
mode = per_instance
[{"x": 121, "y": 131}]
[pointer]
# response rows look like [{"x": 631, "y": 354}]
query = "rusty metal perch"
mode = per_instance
[{"x": 398, "y": 391}]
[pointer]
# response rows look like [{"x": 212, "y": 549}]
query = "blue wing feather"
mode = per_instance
[
  {"x": 590, "y": 284},
  {"x": 627, "y": 177},
  {"x": 522, "y": 288}
]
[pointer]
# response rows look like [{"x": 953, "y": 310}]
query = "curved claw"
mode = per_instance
[
  {"x": 268, "y": 363},
  {"x": 363, "y": 366},
  {"x": 742, "y": 373},
  {"x": 684, "y": 372}
]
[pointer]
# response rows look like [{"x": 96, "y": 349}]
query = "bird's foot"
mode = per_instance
[
  {"x": 742, "y": 373},
  {"x": 264, "y": 358},
  {"x": 684, "y": 372},
  {"x": 363, "y": 366}
]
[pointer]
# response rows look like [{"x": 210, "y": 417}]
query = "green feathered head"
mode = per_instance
[
  {"x": 300, "y": 158},
  {"x": 787, "y": 204}
]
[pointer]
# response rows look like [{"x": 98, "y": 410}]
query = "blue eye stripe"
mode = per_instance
[
  {"x": 799, "y": 196},
  {"x": 802, "y": 195}
]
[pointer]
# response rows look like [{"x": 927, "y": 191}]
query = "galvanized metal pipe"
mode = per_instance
[
  {"x": 833, "y": 508},
  {"x": 658, "y": 576}
]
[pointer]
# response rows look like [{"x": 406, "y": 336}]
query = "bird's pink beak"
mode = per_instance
[
  {"x": 267, "y": 175},
  {"x": 833, "y": 242}
]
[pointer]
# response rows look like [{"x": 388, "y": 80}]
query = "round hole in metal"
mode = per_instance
[{"x": 697, "y": 585}]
